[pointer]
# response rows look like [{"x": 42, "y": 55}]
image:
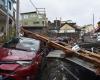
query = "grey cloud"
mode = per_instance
[{"x": 79, "y": 11}]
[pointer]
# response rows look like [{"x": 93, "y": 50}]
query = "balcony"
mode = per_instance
[{"x": 2, "y": 5}]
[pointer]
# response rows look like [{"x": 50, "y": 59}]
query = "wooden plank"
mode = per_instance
[{"x": 47, "y": 40}]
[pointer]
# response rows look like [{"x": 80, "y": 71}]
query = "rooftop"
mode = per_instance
[{"x": 28, "y": 12}]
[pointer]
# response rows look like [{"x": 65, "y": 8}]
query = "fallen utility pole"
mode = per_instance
[{"x": 82, "y": 54}]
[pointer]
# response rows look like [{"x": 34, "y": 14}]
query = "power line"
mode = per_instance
[{"x": 33, "y": 4}]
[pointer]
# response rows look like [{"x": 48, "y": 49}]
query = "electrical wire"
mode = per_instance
[{"x": 33, "y": 4}]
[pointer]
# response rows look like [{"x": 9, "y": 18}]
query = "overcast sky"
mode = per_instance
[{"x": 79, "y": 11}]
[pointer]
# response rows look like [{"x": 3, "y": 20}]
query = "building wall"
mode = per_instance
[
  {"x": 1, "y": 2},
  {"x": 9, "y": 6},
  {"x": 32, "y": 19},
  {"x": 88, "y": 28},
  {"x": 67, "y": 29}
]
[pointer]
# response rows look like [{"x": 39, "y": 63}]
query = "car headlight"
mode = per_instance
[{"x": 24, "y": 63}]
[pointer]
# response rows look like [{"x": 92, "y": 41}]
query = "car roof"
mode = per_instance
[
  {"x": 25, "y": 38},
  {"x": 30, "y": 41}
]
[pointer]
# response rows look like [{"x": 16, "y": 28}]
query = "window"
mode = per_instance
[
  {"x": 3, "y": 1},
  {"x": 25, "y": 16},
  {"x": 10, "y": 21},
  {"x": 40, "y": 17},
  {"x": 25, "y": 23},
  {"x": 36, "y": 22},
  {"x": 43, "y": 22},
  {"x": 32, "y": 15},
  {"x": 9, "y": 5}
]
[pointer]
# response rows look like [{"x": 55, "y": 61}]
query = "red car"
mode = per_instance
[{"x": 20, "y": 59}]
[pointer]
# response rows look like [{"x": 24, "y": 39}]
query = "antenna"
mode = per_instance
[{"x": 93, "y": 19}]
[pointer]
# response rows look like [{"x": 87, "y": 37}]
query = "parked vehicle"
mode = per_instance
[{"x": 20, "y": 59}]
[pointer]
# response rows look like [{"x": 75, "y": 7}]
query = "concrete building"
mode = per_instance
[
  {"x": 67, "y": 29},
  {"x": 33, "y": 19},
  {"x": 88, "y": 28},
  {"x": 7, "y": 19},
  {"x": 63, "y": 29},
  {"x": 7, "y": 7}
]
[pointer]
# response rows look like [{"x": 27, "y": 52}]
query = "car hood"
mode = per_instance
[
  {"x": 15, "y": 55},
  {"x": 9, "y": 67}
]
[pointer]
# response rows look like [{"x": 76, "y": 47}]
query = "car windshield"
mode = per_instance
[{"x": 28, "y": 44}]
